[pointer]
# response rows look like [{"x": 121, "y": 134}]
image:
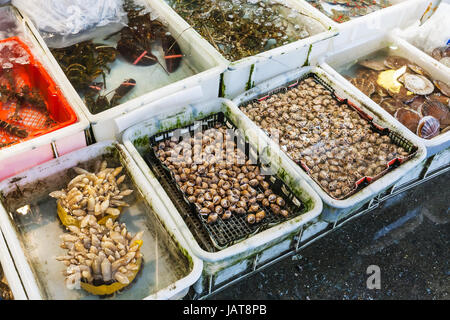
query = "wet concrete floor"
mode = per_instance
[{"x": 407, "y": 237}]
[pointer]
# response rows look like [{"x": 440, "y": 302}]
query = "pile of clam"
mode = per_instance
[
  {"x": 407, "y": 92},
  {"x": 442, "y": 54},
  {"x": 218, "y": 178},
  {"x": 100, "y": 193},
  {"x": 100, "y": 254},
  {"x": 331, "y": 139}
]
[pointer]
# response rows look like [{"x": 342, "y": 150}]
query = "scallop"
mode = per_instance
[
  {"x": 408, "y": 118},
  {"x": 417, "y": 102},
  {"x": 428, "y": 127},
  {"x": 365, "y": 86},
  {"x": 443, "y": 87},
  {"x": 418, "y": 84},
  {"x": 395, "y": 62},
  {"x": 391, "y": 105},
  {"x": 437, "y": 110}
]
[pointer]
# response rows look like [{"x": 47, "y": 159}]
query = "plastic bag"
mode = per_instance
[
  {"x": 433, "y": 33},
  {"x": 65, "y": 22}
]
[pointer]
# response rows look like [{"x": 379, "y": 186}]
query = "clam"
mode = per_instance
[
  {"x": 377, "y": 65},
  {"x": 443, "y": 87},
  {"x": 391, "y": 105},
  {"x": 437, "y": 110},
  {"x": 418, "y": 69},
  {"x": 437, "y": 54},
  {"x": 395, "y": 62},
  {"x": 408, "y": 118},
  {"x": 439, "y": 97},
  {"x": 428, "y": 127},
  {"x": 417, "y": 102},
  {"x": 366, "y": 86},
  {"x": 418, "y": 84}
]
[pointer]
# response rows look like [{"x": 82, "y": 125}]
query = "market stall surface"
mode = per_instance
[{"x": 407, "y": 237}]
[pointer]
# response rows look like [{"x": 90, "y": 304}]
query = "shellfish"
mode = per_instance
[
  {"x": 377, "y": 65},
  {"x": 428, "y": 127},
  {"x": 437, "y": 110},
  {"x": 391, "y": 105},
  {"x": 443, "y": 87},
  {"x": 408, "y": 118},
  {"x": 366, "y": 86},
  {"x": 395, "y": 62},
  {"x": 418, "y": 84}
]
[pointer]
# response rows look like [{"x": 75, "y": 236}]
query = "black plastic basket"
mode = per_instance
[{"x": 222, "y": 233}]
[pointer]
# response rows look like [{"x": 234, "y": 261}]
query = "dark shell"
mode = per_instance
[
  {"x": 391, "y": 105},
  {"x": 437, "y": 110},
  {"x": 417, "y": 102},
  {"x": 428, "y": 127},
  {"x": 376, "y": 98},
  {"x": 440, "y": 98},
  {"x": 366, "y": 73},
  {"x": 402, "y": 95},
  {"x": 377, "y": 65},
  {"x": 418, "y": 69},
  {"x": 366, "y": 86},
  {"x": 395, "y": 62},
  {"x": 408, "y": 118},
  {"x": 443, "y": 87},
  {"x": 437, "y": 54}
]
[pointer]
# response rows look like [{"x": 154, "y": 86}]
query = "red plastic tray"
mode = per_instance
[{"x": 32, "y": 120}]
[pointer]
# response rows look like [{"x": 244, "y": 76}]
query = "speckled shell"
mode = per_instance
[
  {"x": 428, "y": 127},
  {"x": 418, "y": 84}
]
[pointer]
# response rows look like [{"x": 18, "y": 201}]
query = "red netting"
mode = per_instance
[{"x": 21, "y": 73}]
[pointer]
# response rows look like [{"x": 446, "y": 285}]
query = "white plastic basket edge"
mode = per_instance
[{"x": 24, "y": 269}]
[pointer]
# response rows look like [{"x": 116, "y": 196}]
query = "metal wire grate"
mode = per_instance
[{"x": 220, "y": 234}]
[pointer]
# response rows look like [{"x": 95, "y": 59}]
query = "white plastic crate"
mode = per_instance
[
  {"x": 401, "y": 14},
  {"x": 244, "y": 256},
  {"x": 27, "y": 154},
  {"x": 250, "y": 71},
  {"x": 10, "y": 272},
  {"x": 193, "y": 88},
  {"x": 335, "y": 209},
  {"x": 34, "y": 256},
  {"x": 338, "y": 59}
]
